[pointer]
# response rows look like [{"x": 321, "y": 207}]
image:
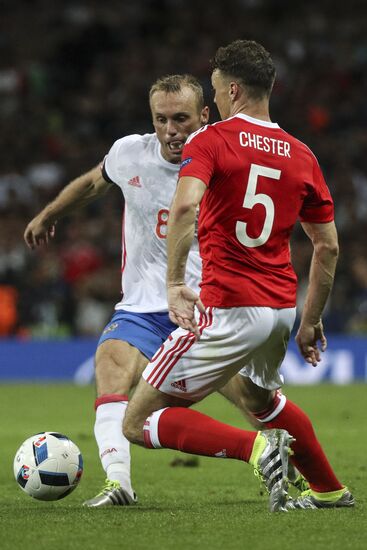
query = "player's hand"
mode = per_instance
[
  {"x": 38, "y": 232},
  {"x": 307, "y": 338},
  {"x": 181, "y": 307}
]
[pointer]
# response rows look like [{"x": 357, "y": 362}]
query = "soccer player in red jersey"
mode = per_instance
[
  {"x": 253, "y": 181},
  {"x": 145, "y": 167}
]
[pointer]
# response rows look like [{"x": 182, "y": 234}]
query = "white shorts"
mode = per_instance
[{"x": 252, "y": 340}]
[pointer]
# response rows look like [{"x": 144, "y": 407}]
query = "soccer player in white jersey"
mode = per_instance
[
  {"x": 252, "y": 181},
  {"x": 146, "y": 168}
]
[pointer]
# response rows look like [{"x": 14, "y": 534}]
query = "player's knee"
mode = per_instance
[
  {"x": 128, "y": 430},
  {"x": 260, "y": 399},
  {"x": 133, "y": 430}
]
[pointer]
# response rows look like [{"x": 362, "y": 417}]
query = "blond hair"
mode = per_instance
[{"x": 173, "y": 83}]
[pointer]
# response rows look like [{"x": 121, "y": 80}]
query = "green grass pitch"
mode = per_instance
[{"x": 216, "y": 505}]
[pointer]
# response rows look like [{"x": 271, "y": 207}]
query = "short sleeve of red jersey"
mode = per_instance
[
  {"x": 198, "y": 156},
  {"x": 318, "y": 206}
]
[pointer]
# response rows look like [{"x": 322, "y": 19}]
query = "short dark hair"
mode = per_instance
[
  {"x": 174, "y": 83},
  {"x": 250, "y": 63}
]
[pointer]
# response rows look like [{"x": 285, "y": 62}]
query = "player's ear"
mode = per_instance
[
  {"x": 233, "y": 91},
  {"x": 204, "y": 116}
]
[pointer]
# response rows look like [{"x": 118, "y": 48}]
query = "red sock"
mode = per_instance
[
  {"x": 195, "y": 433},
  {"x": 308, "y": 456}
]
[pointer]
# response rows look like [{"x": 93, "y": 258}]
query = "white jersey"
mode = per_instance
[{"x": 148, "y": 183}]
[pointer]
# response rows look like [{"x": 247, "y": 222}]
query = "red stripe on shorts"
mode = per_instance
[
  {"x": 166, "y": 357},
  {"x": 178, "y": 346},
  {"x": 187, "y": 344},
  {"x": 171, "y": 361},
  {"x": 158, "y": 353}
]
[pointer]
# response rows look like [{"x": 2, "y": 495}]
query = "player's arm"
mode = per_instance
[
  {"x": 325, "y": 255},
  {"x": 75, "y": 195},
  {"x": 180, "y": 234}
]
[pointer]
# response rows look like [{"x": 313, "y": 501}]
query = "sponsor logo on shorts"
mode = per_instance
[
  {"x": 180, "y": 385},
  {"x": 110, "y": 328}
]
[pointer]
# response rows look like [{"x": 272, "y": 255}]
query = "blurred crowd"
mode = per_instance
[{"x": 74, "y": 77}]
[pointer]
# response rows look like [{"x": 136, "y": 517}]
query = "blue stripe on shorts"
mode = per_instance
[{"x": 144, "y": 331}]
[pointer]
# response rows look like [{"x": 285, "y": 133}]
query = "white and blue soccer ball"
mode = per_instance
[{"x": 48, "y": 466}]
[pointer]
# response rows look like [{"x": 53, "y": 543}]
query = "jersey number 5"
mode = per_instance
[{"x": 252, "y": 198}]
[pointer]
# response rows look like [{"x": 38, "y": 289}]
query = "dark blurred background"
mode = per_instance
[{"x": 74, "y": 77}]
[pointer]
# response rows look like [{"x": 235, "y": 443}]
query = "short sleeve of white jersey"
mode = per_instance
[{"x": 112, "y": 168}]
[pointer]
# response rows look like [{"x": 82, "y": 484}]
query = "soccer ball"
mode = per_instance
[{"x": 48, "y": 466}]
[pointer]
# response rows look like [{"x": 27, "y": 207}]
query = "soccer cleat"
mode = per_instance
[
  {"x": 311, "y": 500},
  {"x": 112, "y": 494},
  {"x": 270, "y": 461},
  {"x": 296, "y": 479}
]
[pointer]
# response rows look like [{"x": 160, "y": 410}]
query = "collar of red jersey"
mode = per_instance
[{"x": 257, "y": 121}]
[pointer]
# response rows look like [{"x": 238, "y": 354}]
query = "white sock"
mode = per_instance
[
  {"x": 151, "y": 439},
  {"x": 114, "y": 448}
]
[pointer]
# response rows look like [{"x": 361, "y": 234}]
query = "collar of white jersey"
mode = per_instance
[
  {"x": 257, "y": 121},
  {"x": 170, "y": 165}
]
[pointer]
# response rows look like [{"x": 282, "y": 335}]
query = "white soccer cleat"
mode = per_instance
[
  {"x": 314, "y": 501},
  {"x": 271, "y": 466},
  {"x": 112, "y": 494}
]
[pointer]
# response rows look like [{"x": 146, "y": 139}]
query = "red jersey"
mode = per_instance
[{"x": 260, "y": 180}]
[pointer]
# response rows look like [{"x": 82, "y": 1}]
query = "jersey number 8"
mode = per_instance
[{"x": 162, "y": 220}]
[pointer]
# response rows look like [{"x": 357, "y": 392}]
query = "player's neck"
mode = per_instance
[{"x": 258, "y": 109}]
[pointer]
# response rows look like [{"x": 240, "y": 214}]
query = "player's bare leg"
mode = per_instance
[
  {"x": 145, "y": 401},
  {"x": 118, "y": 369},
  {"x": 239, "y": 395},
  {"x": 157, "y": 420}
]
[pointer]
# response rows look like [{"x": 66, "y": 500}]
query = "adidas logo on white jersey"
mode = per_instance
[{"x": 135, "y": 181}]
